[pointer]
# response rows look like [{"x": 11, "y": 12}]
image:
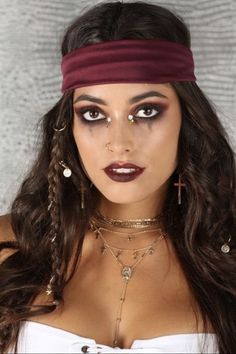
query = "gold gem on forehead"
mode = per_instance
[{"x": 108, "y": 121}]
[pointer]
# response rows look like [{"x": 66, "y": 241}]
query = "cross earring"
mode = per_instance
[
  {"x": 82, "y": 190},
  {"x": 179, "y": 185}
]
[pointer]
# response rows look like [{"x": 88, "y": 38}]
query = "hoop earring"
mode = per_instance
[
  {"x": 59, "y": 129},
  {"x": 67, "y": 171},
  {"x": 179, "y": 184}
]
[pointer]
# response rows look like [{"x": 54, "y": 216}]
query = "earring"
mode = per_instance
[
  {"x": 225, "y": 248},
  {"x": 109, "y": 120},
  {"x": 59, "y": 129},
  {"x": 67, "y": 172},
  {"x": 179, "y": 185},
  {"x": 131, "y": 118}
]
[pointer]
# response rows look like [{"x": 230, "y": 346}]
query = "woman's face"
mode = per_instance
[{"x": 151, "y": 142}]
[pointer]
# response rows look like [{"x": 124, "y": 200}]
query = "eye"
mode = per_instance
[
  {"x": 148, "y": 111},
  {"x": 90, "y": 114}
]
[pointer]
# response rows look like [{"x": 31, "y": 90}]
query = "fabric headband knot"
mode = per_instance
[{"x": 127, "y": 61}]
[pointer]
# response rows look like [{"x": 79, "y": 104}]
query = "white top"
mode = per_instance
[{"x": 40, "y": 338}]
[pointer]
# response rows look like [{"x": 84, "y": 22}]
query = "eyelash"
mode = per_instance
[{"x": 146, "y": 106}]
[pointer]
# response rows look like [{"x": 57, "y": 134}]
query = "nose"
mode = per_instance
[{"x": 121, "y": 135}]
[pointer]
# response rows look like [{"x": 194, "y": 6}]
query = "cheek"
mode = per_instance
[
  {"x": 86, "y": 139},
  {"x": 168, "y": 140},
  {"x": 164, "y": 147}
]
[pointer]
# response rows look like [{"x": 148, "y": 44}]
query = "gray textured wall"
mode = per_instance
[{"x": 30, "y": 33}]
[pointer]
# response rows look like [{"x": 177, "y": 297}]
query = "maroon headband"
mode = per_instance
[{"x": 128, "y": 60}]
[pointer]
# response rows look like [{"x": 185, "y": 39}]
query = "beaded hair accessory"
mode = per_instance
[{"x": 127, "y": 60}]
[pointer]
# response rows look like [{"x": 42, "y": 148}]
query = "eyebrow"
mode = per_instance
[{"x": 132, "y": 100}]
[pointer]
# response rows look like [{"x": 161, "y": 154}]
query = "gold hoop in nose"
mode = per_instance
[{"x": 108, "y": 147}]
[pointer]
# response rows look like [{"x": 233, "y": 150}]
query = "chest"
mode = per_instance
[{"x": 156, "y": 302}]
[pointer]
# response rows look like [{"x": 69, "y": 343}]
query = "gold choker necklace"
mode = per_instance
[{"x": 128, "y": 224}]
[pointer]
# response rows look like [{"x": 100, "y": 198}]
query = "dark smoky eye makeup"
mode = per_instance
[
  {"x": 91, "y": 118},
  {"x": 151, "y": 111},
  {"x": 144, "y": 112}
]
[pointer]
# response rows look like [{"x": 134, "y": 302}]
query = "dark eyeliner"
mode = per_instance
[
  {"x": 158, "y": 107},
  {"x": 80, "y": 111}
]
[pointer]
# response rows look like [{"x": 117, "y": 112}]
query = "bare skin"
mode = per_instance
[
  {"x": 158, "y": 294},
  {"x": 160, "y": 298},
  {"x": 149, "y": 143},
  {"x": 158, "y": 301}
]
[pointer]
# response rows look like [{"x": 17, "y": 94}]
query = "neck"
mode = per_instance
[{"x": 143, "y": 209}]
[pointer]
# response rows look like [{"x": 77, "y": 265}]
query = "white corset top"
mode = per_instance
[{"x": 40, "y": 338}]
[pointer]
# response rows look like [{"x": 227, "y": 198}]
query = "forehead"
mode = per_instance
[{"x": 128, "y": 90}]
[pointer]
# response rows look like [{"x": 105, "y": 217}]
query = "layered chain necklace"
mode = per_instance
[{"x": 138, "y": 228}]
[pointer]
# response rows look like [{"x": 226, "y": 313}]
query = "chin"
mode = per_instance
[
  {"x": 122, "y": 200},
  {"x": 123, "y": 195}
]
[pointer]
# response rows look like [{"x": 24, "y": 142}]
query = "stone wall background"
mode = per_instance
[{"x": 30, "y": 34}]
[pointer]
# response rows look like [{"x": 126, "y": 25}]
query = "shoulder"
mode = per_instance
[
  {"x": 6, "y": 232},
  {"x": 6, "y": 237}
]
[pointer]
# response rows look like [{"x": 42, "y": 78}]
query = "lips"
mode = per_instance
[{"x": 123, "y": 172}]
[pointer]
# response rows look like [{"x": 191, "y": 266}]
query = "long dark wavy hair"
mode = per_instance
[{"x": 197, "y": 228}]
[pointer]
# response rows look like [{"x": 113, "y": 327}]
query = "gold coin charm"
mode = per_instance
[
  {"x": 126, "y": 272},
  {"x": 225, "y": 248}
]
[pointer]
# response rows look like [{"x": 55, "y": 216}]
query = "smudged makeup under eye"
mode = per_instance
[{"x": 143, "y": 112}]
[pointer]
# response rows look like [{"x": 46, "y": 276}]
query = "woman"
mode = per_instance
[{"x": 121, "y": 237}]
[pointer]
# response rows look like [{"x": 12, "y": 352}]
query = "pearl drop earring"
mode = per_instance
[
  {"x": 225, "y": 248},
  {"x": 67, "y": 172}
]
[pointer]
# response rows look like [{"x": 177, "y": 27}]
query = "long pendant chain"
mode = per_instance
[
  {"x": 126, "y": 273},
  {"x": 119, "y": 314}
]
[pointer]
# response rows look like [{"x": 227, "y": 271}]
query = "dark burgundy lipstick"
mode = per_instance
[{"x": 123, "y": 172}]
